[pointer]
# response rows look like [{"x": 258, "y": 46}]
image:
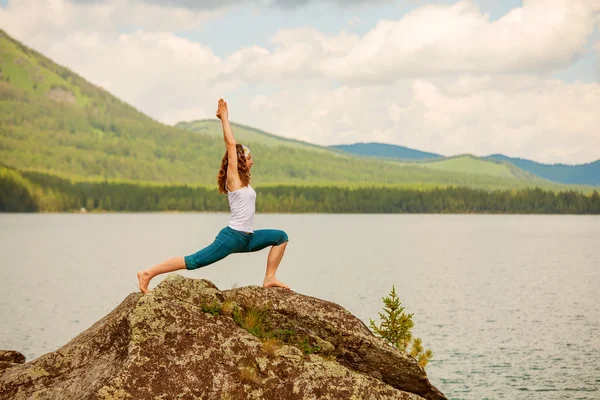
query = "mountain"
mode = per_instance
[
  {"x": 457, "y": 164},
  {"x": 52, "y": 120},
  {"x": 385, "y": 151},
  {"x": 583, "y": 174}
]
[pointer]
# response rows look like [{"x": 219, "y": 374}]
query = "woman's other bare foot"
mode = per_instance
[
  {"x": 271, "y": 281},
  {"x": 144, "y": 279}
]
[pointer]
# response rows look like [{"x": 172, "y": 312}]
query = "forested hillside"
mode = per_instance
[
  {"x": 34, "y": 191},
  {"x": 54, "y": 121}
]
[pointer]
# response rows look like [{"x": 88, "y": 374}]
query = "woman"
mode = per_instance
[{"x": 238, "y": 236}]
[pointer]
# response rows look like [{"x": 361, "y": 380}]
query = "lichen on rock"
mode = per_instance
[{"x": 188, "y": 340}]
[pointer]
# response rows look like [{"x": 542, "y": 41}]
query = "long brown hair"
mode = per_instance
[{"x": 243, "y": 170}]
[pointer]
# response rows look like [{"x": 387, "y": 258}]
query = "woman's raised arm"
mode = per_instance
[{"x": 233, "y": 178}]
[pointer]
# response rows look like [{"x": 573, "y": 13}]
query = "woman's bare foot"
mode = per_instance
[
  {"x": 273, "y": 282},
  {"x": 144, "y": 279}
]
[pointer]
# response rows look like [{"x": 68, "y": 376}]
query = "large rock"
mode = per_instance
[
  {"x": 184, "y": 340},
  {"x": 355, "y": 345},
  {"x": 10, "y": 358}
]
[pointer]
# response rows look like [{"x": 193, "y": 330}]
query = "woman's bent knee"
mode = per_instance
[{"x": 283, "y": 237}]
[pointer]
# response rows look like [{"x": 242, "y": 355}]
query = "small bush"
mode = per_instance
[
  {"x": 227, "y": 308},
  {"x": 255, "y": 320},
  {"x": 285, "y": 335},
  {"x": 270, "y": 346},
  {"x": 306, "y": 347},
  {"x": 213, "y": 308},
  {"x": 290, "y": 336},
  {"x": 396, "y": 329},
  {"x": 248, "y": 375}
]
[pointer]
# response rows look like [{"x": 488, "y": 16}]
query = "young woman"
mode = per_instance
[{"x": 238, "y": 236}]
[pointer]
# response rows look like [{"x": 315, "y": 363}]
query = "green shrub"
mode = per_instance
[
  {"x": 396, "y": 328},
  {"x": 213, "y": 308}
]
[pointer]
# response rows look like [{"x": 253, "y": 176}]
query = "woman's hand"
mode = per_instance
[{"x": 222, "y": 112}]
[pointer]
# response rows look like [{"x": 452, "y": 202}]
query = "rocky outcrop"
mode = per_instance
[
  {"x": 61, "y": 95},
  {"x": 10, "y": 358},
  {"x": 188, "y": 340}
]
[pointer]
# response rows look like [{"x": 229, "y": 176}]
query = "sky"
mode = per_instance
[{"x": 479, "y": 77}]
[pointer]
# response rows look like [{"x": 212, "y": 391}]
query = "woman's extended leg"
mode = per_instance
[
  {"x": 225, "y": 243},
  {"x": 170, "y": 265}
]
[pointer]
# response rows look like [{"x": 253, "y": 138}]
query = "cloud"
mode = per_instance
[
  {"x": 160, "y": 73},
  {"x": 432, "y": 41},
  {"x": 49, "y": 20},
  {"x": 483, "y": 106},
  {"x": 215, "y": 4},
  {"x": 546, "y": 120},
  {"x": 598, "y": 61},
  {"x": 173, "y": 116}
]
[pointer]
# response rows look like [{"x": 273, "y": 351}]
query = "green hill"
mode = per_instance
[
  {"x": 246, "y": 134},
  {"x": 53, "y": 120},
  {"x": 475, "y": 165}
]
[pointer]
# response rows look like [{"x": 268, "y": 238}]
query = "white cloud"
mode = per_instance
[
  {"x": 157, "y": 72},
  {"x": 299, "y": 54},
  {"x": 173, "y": 116},
  {"x": 550, "y": 121},
  {"x": 598, "y": 61},
  {"x": 432, "y": 41},
  {"x": 485, "y": 106},
  {"x": 214, "y": 4},
  {"x": 44, "y": 21}
]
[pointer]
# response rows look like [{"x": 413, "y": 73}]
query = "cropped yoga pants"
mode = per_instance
[{"x": 230, "y": 241}]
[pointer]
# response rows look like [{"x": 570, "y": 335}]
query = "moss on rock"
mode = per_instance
[{"x": 187, "y": 339}]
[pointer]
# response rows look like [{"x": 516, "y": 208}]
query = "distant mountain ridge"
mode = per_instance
[
  {"x": 582, "y": 174},
  {"x": 586, "y": 174},
  {"x": 373, "y": 149}
]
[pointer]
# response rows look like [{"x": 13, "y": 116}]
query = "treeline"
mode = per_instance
[{"x": 40, "y": 192}]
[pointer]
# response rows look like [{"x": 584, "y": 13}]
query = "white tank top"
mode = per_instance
[{"x": 242, "y": 204}]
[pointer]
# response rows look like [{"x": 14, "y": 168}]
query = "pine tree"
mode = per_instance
[{"x": 395, "y": 328}]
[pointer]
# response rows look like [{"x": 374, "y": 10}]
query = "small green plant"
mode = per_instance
[
  {"x": 306, "y": 347},
  {"x": 396, "y": 328},
  {"x": 228, "y": 307},
  {"x": 213, "y": 308},
  {"x": 255, "y": 320},
  {"x": 285, "y": 335},
  {"x": 290, "y": 336}
]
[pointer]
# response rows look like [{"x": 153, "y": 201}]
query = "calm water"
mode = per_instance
[{"x": 509, "y": 305}]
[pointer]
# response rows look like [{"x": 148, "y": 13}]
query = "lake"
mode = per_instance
[{"x": 509, "y": 304}]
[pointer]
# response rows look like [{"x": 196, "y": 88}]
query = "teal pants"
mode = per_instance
[{"x": 230, "y": 241}]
